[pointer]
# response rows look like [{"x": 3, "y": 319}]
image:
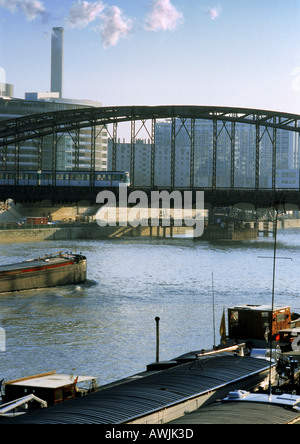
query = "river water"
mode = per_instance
[{"x": 106, "y": 327}]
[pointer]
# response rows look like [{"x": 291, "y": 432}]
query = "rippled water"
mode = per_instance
[{"x": 106, "y": 327}]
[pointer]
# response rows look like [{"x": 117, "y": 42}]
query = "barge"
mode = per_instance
[
  {"x": 149, "y": 397},
  {"x": 49, "y": 271},
  {"x": 167, "y": 390}
]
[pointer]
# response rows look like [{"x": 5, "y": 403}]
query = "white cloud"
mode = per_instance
[
  {"x": 111, "y": 21},
  {"x": 82, "y": 13},
  {"x": 163, "y": 16},
  {"x": 214, "y": 13},
  {"x": 115, "y": 25},
  {"x": 31, "y": 8}
]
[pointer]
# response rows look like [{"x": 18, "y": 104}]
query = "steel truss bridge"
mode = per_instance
[{"x": 15, "y": 132}]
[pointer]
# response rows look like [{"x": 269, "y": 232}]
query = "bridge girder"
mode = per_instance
[
  {"x": 35, "y": 127},
  {"x": 213, "y": 198},
  {"x": 39, "y": 125}
]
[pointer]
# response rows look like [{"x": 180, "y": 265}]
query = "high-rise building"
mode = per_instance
[
  {"x": 57, "y": 59},
  {"x": 67, "y": 145},
  {"x": 6, "y": 90},
  {"x": 142, "y": 156},
  {"x": 287, "y": 156}
]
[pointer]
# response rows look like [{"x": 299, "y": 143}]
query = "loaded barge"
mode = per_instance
[
  {"x": 179, "y": 390},
  {"x": 149, "y": 397},
  {"x": 48, "y": 271}
]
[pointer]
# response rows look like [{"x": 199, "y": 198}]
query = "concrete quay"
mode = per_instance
[
  {"x": 94, "y": 232},
  {"x": 79, "y": 222}
]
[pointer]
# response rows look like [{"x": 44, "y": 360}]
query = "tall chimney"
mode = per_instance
[{"x": 57, "y": 58}]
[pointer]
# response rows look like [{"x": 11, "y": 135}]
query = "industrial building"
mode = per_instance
[{"x": 31, "y": 157}]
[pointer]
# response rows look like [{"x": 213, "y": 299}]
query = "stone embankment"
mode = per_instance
[
  {"x": 94, "y": 232},
  {"x": 78, "y": 222}
]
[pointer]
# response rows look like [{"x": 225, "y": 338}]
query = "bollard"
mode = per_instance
[{"x": 157, "y": 319}]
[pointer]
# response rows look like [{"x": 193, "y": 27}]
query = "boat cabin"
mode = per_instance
[
  {"x": 50, "y": 387},
  {"x": 257, "y": 322}
]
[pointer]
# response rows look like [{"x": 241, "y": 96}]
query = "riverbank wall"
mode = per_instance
[
  {"x": 94, "y": 232},
  {"x": 79, "y": 222}
]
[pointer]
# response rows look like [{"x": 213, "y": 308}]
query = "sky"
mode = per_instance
[{"x": 158, "y": 52}]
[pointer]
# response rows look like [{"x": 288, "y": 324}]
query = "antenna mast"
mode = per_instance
[{"x": 273, "y": 296}]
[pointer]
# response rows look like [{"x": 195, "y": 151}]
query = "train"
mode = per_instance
[{"x": 101, "y": 179}]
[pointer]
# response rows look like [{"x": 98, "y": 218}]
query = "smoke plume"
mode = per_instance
[
  {"x": 114, "y": 26},
  {"x": 111, "y": 21},
  {"x": 31, "y": 8},
  {"x": 214, "y": 13},
  {"x": 163, "y": 16},
  {"x": 83, "y": 13}
]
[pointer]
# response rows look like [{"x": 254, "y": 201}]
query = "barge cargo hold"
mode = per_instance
[
  {"x": 154, "y": 396},
  {"x": 48, "y": 271}
]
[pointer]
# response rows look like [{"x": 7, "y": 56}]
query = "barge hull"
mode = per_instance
[{"x": 65, "y": 274}]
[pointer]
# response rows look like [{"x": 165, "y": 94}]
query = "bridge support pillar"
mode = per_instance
[{"x": 266, "y": 228}]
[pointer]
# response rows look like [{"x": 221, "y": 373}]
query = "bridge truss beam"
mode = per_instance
[
  {"x": 224, "y": 121},
  {"x": 37, "y": 125}
]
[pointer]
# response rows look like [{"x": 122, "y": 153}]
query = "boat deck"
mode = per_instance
[
  {"x": 34, "y": 263},
  {"x": 156, "y": 396}
]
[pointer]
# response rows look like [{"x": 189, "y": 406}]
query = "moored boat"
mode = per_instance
[
  {"x": 49, "y": 271},
  {"x": 260, "y": 326}
]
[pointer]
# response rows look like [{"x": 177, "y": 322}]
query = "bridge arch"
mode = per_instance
[{"x": 221, "y": 153}]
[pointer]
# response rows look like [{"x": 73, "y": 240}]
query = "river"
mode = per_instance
[{"x": 106, "y": 327}]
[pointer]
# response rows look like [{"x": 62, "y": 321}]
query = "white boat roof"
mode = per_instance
[
  {"x": 295, "y": 330},
  {"x": 286, "y": 399},
  {"x": 52, "y": 381},
  {"x": 258, "y": 307}
]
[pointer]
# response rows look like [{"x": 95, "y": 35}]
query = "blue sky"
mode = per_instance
[{"x": 157, "y": 52}]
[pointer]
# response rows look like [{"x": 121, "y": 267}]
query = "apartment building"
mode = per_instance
[
  {"x": 244, "y": 151},
  {"x": 36, "y": 103}
]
